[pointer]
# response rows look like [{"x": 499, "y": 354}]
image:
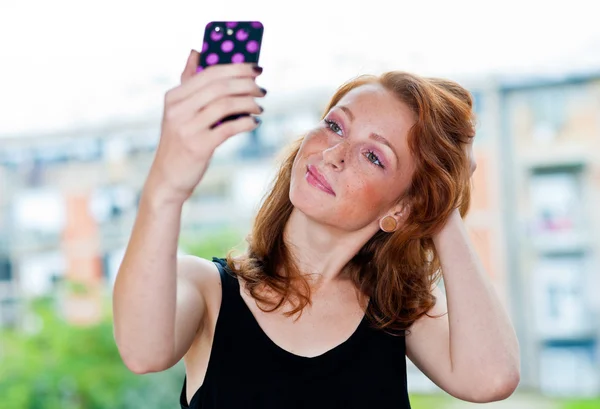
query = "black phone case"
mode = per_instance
[{"x": 231, "y": 42}]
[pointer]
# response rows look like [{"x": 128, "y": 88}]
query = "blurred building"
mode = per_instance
[
  {"x": 551, "y": 192},
  {"x": 8, "y": 283},
  {"x": 534, "y": 223},
  {"x": 68, "y": 201}
]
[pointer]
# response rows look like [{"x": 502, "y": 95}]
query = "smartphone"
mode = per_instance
[{"x": 230, "y": 42}]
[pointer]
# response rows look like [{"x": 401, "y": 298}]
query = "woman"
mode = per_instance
[{"x": 338, "y": 284}]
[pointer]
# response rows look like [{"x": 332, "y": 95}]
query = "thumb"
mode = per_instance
[{"x": 190, "y": 66}]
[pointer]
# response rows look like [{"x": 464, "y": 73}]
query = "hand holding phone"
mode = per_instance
[
  {"x": 189, "y": 136},
  {"x": 231, "y": 42}
]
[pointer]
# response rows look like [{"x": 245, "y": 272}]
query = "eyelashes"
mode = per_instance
[
  {"x": 334, "y": 127},
  {"x": 371, "y": 156},
  {"x": 374, "y": 159}
]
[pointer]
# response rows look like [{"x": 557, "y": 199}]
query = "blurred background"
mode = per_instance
[{"x": 81, "y": 92}]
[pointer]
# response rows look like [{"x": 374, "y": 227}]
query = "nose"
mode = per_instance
[{"x": 335, "y": 156}]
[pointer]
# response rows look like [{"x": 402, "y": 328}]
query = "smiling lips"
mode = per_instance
[{"x": 315, "y": 178}]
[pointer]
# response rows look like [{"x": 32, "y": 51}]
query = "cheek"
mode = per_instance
[
  {"x": 314, "y": 142},
  {"x": 306, "y": 147},
  {"x": 363, "y": 197},
  {"x": 315, "y": 138}
]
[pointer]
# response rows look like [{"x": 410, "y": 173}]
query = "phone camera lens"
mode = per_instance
[{"x": 217, "y": 28}]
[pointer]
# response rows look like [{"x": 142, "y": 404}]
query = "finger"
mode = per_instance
[
  {"x": 228, "y": 106},
  {"x": 190, "y": 66},
  {"x": 209, "y": 75},
  {"x": 223, "y": 108},
  {"x": 231, "y": 128},
  {"x": 188, "y": 108}
]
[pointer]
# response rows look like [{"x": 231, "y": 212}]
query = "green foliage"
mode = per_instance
[
  {"x": 59, "y": 366},
  {"x": 433, "y": 401},
  {"x": 54, "y": 365},
  {"x": 75, "y": 287},
  {"x": 217, "y": 245},
  {"x": 581, "y": 404}
]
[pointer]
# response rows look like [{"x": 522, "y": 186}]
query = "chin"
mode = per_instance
[
  {"x": 303, "y": 199},
  {"x": 309, "y": 200}
]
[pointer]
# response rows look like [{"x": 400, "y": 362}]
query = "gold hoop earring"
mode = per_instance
[{"x": 388, "y": 224}]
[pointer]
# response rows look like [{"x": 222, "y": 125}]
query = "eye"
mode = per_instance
[
  {"x": 374, "y": 159},
  {"x": 334, "y": 127}
]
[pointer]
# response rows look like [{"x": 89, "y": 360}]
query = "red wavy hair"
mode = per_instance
[{"x": 395, "y": 271}]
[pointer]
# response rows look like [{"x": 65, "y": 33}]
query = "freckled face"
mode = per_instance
[{"x": 355, "y": 164}]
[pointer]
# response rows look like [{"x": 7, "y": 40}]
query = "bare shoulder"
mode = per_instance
[
  {"x": 202, "y": 274},
  {"x": 200, "y": 277}
]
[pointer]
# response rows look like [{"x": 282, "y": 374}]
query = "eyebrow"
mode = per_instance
[{"x": 374, "y": 136}]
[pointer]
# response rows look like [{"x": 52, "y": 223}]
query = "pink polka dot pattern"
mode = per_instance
[
  {"x": 238, "y": 58},
  {"x": 241, "y": 35},
  {"x": 252, "y": 46},
  {"x": 227, "y": 46},
  {"x": 231, "y": 42},
  {"x": 212, "y": 59}
]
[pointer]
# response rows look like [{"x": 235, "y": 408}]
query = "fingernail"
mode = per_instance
[
  {"x": 261, "y": 109},
  {"x": 257, "y": 120},
  {"x": 257, "y": 69},
  {"x": 264, "y": 91}
]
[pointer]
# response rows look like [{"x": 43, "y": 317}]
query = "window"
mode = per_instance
[
  {"x": 561, "y": 309},
  {"x": 556, "y": 202},
  {"x": 569, "y": 369},
  {"x": 549, "y": 108},
  {"x": 6, "y": 272}
]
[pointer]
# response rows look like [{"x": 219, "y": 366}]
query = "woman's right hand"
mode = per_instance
[{"x": 188, "y": 138}]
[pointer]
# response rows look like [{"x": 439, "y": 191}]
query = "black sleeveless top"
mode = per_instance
[{"x": 246, "y": 369}]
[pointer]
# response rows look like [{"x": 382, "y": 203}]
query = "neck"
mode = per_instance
[{"x": 321, "y": 250}]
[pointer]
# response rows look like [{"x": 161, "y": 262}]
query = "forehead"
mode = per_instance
[{"x": 375, "y": 105}]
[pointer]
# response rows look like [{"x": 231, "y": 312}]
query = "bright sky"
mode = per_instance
[{"x": 66, "y": 62}]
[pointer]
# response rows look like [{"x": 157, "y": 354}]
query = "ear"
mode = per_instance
[
  {"x": 395, "y": 218},
  {"x": 401, "y": 212}
]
